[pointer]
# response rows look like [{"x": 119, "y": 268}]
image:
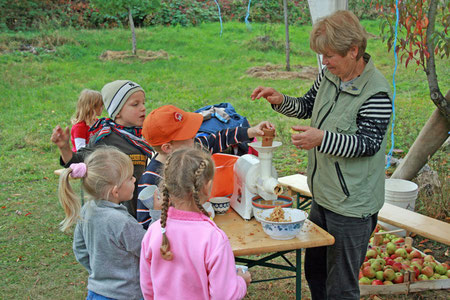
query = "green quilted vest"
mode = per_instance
[{"x": 352, "y": 187}]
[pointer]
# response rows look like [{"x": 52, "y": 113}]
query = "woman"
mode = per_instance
[{"x": 350, "y": 108}]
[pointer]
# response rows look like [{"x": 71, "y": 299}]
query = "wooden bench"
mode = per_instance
[
  {"x": 297, "y": 185},
  {"x": 411, "y": 221}
]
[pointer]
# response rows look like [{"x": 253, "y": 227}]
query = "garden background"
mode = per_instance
[{"x": 50, "y": 50}]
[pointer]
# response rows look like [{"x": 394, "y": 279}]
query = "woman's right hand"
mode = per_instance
[
  {"x": 247, "y": 276},
  {"x": 270, "y": 94},
  {"x": 60, "y": 137}
]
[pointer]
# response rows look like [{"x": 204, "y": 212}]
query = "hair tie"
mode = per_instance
[
  {"x": 78, "y": 170},
  {"x": 163, "y": 230}
]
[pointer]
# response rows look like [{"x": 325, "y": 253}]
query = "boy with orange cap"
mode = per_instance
[{"x": 168, "y": 128}]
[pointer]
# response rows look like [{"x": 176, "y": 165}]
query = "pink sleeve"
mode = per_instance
[
  {"x": 144, "y": 268},
  {"x": 224, "y": 283}
]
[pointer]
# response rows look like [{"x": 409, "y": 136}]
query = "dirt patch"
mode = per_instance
[
  {"x": 270, "y": 71},
  {"x": 142, "y": 55}
]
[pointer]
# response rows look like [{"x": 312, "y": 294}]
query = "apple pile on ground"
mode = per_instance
[{"x": 388, "y": 263}]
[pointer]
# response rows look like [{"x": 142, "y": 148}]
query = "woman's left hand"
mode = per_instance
[{"x": 307, "y": 137}]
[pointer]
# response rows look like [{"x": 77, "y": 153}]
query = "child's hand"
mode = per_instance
[
  {"x": 61, "y": 137},
  {"x": 247, "y": 276},
  {"x": 258, "y": 129}
]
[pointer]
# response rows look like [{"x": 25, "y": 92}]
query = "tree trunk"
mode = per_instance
[
  {"x": 435, "y": 93},
  {"x": 430, "y": 139},
  {"x": 286, "y": 26},
  {"x": 133, "y": 33}
]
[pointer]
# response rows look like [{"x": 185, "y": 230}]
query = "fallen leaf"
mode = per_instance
[
  {"x": 427, "y": 251},
  {"x": 18, "y": 212},
  {"x": 420, "y": 245},
  {"x": 3, "y": 207},
  {"x": 423, "y": 241},
  {"x": 446, "y": 252},
  {"x": 27, "y": 214},
  {"x": 19, "y": 258},
  {"x": 16, "y": 195}
]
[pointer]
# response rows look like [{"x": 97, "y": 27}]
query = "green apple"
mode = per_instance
[
  {"x": 365, "y": 281},
  {"x": 390, "y": 248},
  {"x": 440, "y": 269}
]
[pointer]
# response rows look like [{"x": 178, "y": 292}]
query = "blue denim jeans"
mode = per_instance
[
  {"x": 94, "y": 296},
  {"x": 332, "y": 271}
]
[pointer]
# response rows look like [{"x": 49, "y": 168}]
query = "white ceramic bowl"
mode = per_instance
[
  {"x": 283, "y": 230},
  {"x": 220, "y": 204}
]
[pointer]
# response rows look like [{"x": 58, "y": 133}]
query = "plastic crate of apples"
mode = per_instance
[{"x": 393, "y": 266}]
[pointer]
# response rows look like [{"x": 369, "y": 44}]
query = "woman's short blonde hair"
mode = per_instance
[{"x": 338, "y": 32}]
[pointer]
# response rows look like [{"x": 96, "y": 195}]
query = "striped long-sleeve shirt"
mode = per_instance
[{"x": 372, "y": 121}]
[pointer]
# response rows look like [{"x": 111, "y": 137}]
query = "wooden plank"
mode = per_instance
[
  {"x": 248, "y": 237},
  {"x": 439, "y": 284},
  {"x": 414, "y": 222},
  {"x": 297, "y": 183},
  {"x": 399, "y": 288}
]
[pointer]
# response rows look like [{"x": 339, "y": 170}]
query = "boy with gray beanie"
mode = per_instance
[{"x": 124, "y": 101}]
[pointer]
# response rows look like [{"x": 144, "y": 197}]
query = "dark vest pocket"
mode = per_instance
[{"x": 341, "y": 179}]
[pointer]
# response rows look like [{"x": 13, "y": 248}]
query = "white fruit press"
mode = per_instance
[{"x": 255, "y": 176}]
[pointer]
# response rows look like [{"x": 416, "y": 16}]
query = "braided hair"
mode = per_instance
[{"x": 186, "y": 171}]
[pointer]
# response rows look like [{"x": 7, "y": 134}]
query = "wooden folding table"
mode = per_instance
[{"x": 248, "y": 238}]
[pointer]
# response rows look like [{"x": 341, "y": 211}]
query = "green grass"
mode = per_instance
[{"x": 40, "y": 91}]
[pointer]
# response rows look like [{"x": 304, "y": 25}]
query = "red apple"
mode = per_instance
[
  {"x": 360, "y": 275},
  {"x": 377, "y": 282},
  {"x": 417, "y": 260},
  {"x": 397, "y": 267},
  {"x": 446, "y": 265},
  {"x": 389, "y": 262},
  {"x": 416, "y": 265},
  {"x": 389, "y": 274},
  {"x": 393, "y": 256},
  {"x": 369, "y": 272},
  {"x": 365, "y": 264},
  {"x": 416, "y": 254},
  {"x": 405, "y": 267},
  {"x": 408, "y": 249},
  {"x": 428, "y": 271},
  {"x": 398, "y": 277}
]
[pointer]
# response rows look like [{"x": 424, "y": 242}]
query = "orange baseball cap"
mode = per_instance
[{"x": 170, "y": 123}]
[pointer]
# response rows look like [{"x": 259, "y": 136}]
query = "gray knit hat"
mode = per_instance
[{"x": 116, "y": 93}]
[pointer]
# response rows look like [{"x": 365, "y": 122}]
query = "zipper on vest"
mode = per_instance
[
  {"x": 315, "y": 157},
  {"x": 341, "y": 179}
]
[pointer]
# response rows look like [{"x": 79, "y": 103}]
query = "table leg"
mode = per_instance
[{"x": 298, "y": 278}]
